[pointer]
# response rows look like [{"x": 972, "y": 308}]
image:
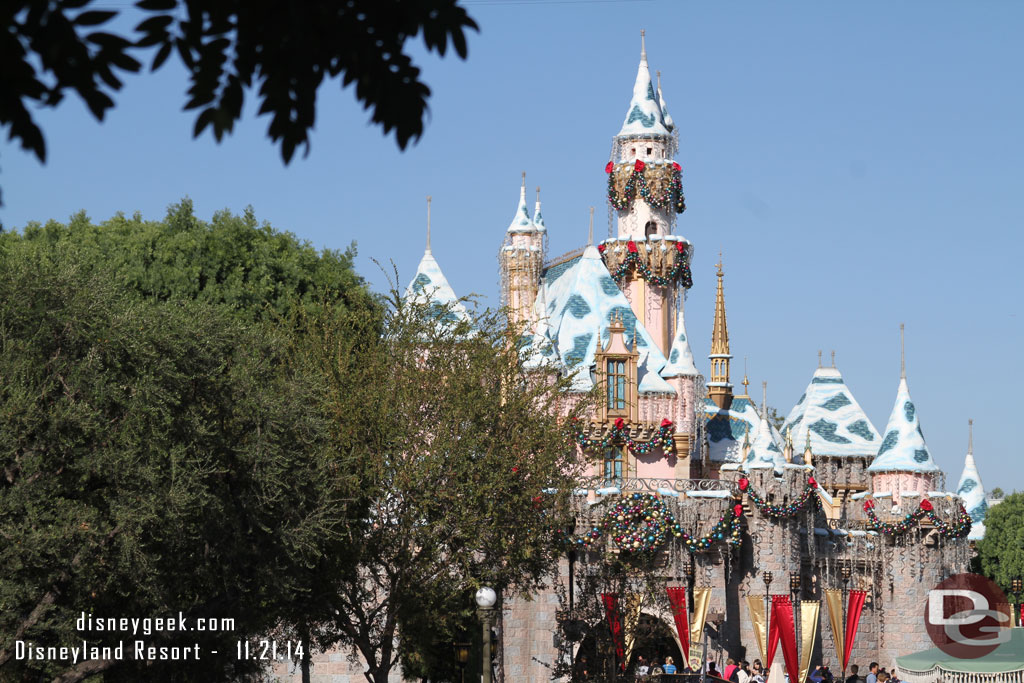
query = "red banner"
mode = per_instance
[
  {"x": 854, "y": 606},
  {"x": 782, "y": 624},
  {"x": 677, "y": 598},
  {"x": 773, "y": 635},
  {"x": 611, "y": 609}
]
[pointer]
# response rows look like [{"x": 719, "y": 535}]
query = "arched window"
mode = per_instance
[
  {"x": 616, "y": 381},
  {"x": 613, "y": 462},
  {"x": 650, "y": 229}
]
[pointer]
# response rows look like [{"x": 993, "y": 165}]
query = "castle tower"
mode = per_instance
[
  {"x": 521, "y": 259},
  {"x": 645, "y": 191},
  {"x": 971, "y": 490},
  {"x": 719, "y": 388}
]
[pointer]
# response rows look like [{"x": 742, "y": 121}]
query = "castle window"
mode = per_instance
[
  {"x": 616, "y": 380},
  {"x": 650, "y": 229},
  {"x": 632, "y": 151},
  {"x": 613, "y": 467},
  {"x": 649, "y": 150}
]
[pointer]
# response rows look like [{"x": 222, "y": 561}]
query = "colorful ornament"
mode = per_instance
[
  {"x": 680, "y": 269},
  {"x": 957, "y": 528},
  {"x": 620, "y": 434},
  {"x": 671, "y": 198},
  {"x": 783, "y": 511}
]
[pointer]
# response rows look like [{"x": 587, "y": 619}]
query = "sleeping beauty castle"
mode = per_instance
[{"x": 703, "y": 527}]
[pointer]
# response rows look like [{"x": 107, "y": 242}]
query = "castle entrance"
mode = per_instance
[{"x": 653, "y": 640}]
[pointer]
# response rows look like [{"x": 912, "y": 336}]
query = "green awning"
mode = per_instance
[{"x": 1008, "y": 657}]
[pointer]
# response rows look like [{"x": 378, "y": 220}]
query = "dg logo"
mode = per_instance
[{"x": 967, "y": 616}]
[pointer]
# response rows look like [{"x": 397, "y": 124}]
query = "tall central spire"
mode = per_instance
[{"x": 719, "y": 389}]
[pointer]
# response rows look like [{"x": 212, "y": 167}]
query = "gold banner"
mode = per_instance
[
  {"x": 808, "y": 634},
  {"x": 756, "y": 606},
  {"x": 634, "y": 605},
  {"x": 834, "y": 602},
  {"x": 701, "y": 600}
]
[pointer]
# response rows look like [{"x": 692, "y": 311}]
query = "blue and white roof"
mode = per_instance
[
  {"x": 972, "y": 493},
  {"x": 726, "y": 429},
  {"x": 830, "y": 414},
  {"x": 765, "y": 449},
  {"x": 669, "y": 123},
  {"x": 644, "y": 118},
  {"x": 538, "y": 220},
  {"x": 680, "y": 357},
  {"x": 903, "y": 448},
  {"x": 521, "y": 221},
  {"x": 430, "y": 287},
  {"x": 580, "y": 298}
]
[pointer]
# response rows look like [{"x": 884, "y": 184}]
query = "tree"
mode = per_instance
[
  {"x": 466, "y": 465},
  {"x": 1001, "y": 551},
  {"x": 157, "y": 457},
  {"x": 228, "y": 47},
  {"x": 259, "y": 273},
  {"x": 997, "y": 493}
]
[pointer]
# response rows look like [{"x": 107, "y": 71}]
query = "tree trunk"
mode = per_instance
[{"x": 306, "y": 647}]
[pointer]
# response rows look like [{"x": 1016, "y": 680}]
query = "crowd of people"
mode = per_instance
[{"x": 745, "y": 672}]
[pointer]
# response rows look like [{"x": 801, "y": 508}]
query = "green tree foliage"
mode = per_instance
[
  {"x": 997, "y": 493},
  {"x": 285, "y": 50},
  {"x": 466, "y": 467},
  {"x": 156, "y": 457},
  {"x": 257, "y": 271},
  {"x": 1001, "y": 552}
]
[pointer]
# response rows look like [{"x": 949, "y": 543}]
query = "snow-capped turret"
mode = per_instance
[
  {"x": 430, "y": 287},
  {"x": 764, "y": 452},
  {"x": 829, "y": 418},
  {"x": 521, "y": 221},
  {"x": 680, "y": 357},
  {"x": 903, "y": 448},
  {"x": 521, "y": 259},
  {"x": 666, "y": 117},
  {"x": 538, "y": 220},
  {"x": 644, "y": 118},
  {"x": 971, "y": 491}
]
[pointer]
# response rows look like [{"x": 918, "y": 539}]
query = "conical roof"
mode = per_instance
[
  {"x": 764, "y": 449},
  {"x": 521, "y": 221},
  {"x": 680, "y": 357},
  {"x": 430, "y": 287},
  {"x": 666, "y": 117},
  {"x": 727, "y": 427},
  {"x": 972, "y": 492},
  {"x": 903, "y": 449},
  {"x": 644, "y": 117},
  {"x": 581, "y": 299},
  {"x": 836, "y": 423},
  {"x": 538, "y": 219}
]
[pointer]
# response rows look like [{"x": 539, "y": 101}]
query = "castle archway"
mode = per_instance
[{"x": 652, "y": 639}]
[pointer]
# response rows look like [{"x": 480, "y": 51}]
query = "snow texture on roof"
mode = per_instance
[
  {"x": 833, "y": 418},
  {"x": 430, "y": 287},
  {"x": 521, "y": 221},
  {"x": 903, "y": 448},
  {"x": 538, "y": 219},
  {"x": 581, "y": 299},
  {"x": 669, "y": 123},
  {"x": 765, "y": 451},
  {"x": 680, "y": 357},
  {"x": 644, "y": 117},
  {"x": 972, "y": 493},
  {"x": 726, "y": 429}
]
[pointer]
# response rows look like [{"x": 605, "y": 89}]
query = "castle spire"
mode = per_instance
[
  {"x": 538, "y": 220},
  {"x": 719, "y": 389},
  {"x": 428, "y": 225},
  {"x": 521, "y": 221},
  {"x": 644, "y": 117},
  {"x": 970, "y": 437}
]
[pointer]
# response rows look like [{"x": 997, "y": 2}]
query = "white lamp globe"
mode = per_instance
[{"x": 486, "y": 597}]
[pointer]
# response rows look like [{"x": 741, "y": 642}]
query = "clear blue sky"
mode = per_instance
[{"x": 858, "y": 163}]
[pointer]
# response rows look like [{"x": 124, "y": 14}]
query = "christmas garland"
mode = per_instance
[
  {"x": 782, "y": 511},
  {"x": 620, "y": 434},
  {"x": 642, "y": 523},
  {"x": 671, "y": 198},
  {"x": 680, "y": 268},
  {"x": 958, "y": 528}
]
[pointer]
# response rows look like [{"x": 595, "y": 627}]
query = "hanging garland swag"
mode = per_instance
[
  {"x": 642, "y": 523},
  {"x": 957, "y": 528},
  {"x": 620, "y": 434},
  {"x": 671, "y": 195},
  {"x": 680, "y": 269},
  {"x": 782, "y": 511}
]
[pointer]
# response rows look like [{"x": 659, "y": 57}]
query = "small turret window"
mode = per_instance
[
  {"x": 613, "y": 467},
  {"x": 616, "y": 384},
  {"x": 632, "y": 151},
  {"x": 649, "y": 151},
  {"x": 650, "y": 229}
]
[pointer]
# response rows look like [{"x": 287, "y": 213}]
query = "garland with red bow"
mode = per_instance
[
  {"x": 642, "y": 523},
  {"x": 782, "y": 511},
  {"x": 957, "y": 528},
  {"x": 680, "y": 268},
  {"x": 620, "y": 434},
  {"x": 671, "y": 198}
]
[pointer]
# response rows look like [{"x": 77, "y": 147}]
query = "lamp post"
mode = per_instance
[
  {"x": 846, "y": 583},
  {"x": 794, "y": 589},
  {"x": 462, "y": 658},
  {"x": 767, "y": 576},
  {"x": 485, "y": 599},
  {"x": 1017, "y": 585}
]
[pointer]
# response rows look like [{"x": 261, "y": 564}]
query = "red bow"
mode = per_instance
[
  {"x": 515, "y": 469},
  {"x": 631, "y": 246},
  {"x": 608, "y": 168},
  {"x": 810, "y": 480},
  {"x": 679, "y": 247},
  {"x": 639, "y": 165},
  {"x": 666, "y": 422},
  {"x": 744, "y": 483},
  {"x": 620, "y": 423},
  {"x": 868, "y": 504},
  {"x": 676, "y": 167},
  {"x": 926, "y": 505},
  {"x": 601, "y": 248},
  {"x": 737, "y": 510}
]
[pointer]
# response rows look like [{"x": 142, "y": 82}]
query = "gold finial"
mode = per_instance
[
  {"x": 746, "y": 382},
  {"x": 590, "y": 231},
  {"x": 807, "y": 448},
  {"x": 428, "y": 224},
  {"x": 903, "y": 355},
  {"x": 719, "y": 264},
  {"x": 789, "y": 435},
  {"x": 833, "y": 357},
  {"x": 970, "y": 437},
  {"x": 643, "y": 46},
  {"x": 819, "y": 358}
]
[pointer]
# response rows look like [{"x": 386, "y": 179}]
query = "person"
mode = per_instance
[
  {"x": 893, "y": 678},
  {"x": 853, "y": 677},
  {"x": 713, "y": 671},
  {"x": 641, "y": 667},
  {"x": 757, "y": 668},
  {"x": 730, "y": 667},
  {"x": 872, "y": 673},
  {"x": 669, "y": 667},
  {"x": 743, "y": 672},
  {"x": 883, "y": 677},
  {"x": 818, "y": 675}
]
